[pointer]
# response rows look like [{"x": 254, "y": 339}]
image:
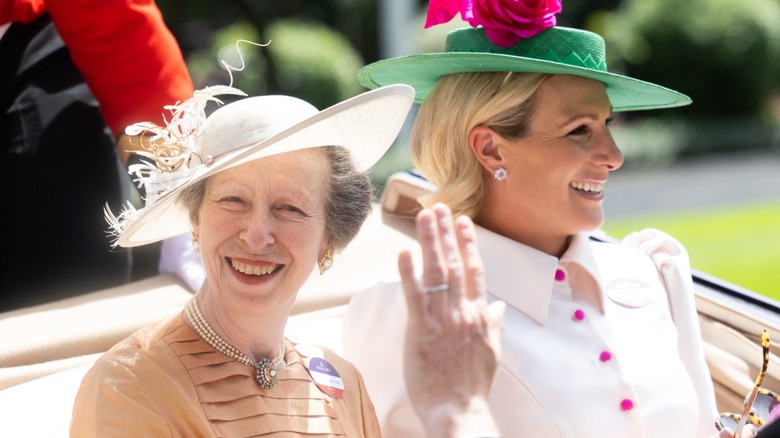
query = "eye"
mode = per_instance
[
  {"x": 580, "y": 130},
  {"x": 585, "y": 128},
  {"x": 232, "y": 201},
  {"x": 291, "y": 208}
]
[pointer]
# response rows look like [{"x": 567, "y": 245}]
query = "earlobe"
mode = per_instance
[
  {"x": 486, "y": 145},
  {"x": 195, "y": 225},
  {"x": 326, "y": 261}
]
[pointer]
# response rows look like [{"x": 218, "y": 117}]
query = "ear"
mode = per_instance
[{"x": 486, "y": 145}]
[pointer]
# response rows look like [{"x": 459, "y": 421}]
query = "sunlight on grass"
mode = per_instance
[{"x": 740, "y": 244}]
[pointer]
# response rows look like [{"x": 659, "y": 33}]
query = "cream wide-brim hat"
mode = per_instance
[{"x": 257, "y": 127}]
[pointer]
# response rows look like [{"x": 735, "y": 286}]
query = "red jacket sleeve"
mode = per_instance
[
  {"x": 24, "y": 11},
  {"x": 128, "y": 57}
]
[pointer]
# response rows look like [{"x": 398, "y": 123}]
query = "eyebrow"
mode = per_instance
[
  {"x": 590, "y": 116},
  {"x": 578, "y": 117}
]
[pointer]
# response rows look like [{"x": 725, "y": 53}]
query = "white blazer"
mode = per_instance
[{"x": 603, "y": 342}]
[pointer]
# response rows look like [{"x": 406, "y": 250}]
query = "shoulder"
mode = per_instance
[
  {"x": 655, "y": 242},
  {"x": 342, "y": 383},
  {"x": 313, "y": 354},
  {"x": 140, "y": 380},
  {"x": 646, "y": 246},
  {"x": 656, "y": 250},
  {"x": 621, "y": 258},
  {"x": 116, "y": 392},
  {"x": 141, "y": 348},
  {"x": 327, "y": 369}
]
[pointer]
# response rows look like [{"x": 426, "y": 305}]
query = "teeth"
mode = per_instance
[
  {"x": 588, "y": 187},
  {"x": 252, "y": 270}
]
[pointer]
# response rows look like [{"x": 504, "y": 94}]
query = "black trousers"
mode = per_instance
[{"x": 59, "y": 168}]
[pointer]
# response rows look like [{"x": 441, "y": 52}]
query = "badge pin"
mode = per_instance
[
  {"x": 326, "y": 377},
  {"x": 630, "y": 292}
]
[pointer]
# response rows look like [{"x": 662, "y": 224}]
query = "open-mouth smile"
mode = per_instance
[
  {"x": 588, "y": 187},
  {"x": 251, "y": 269}
]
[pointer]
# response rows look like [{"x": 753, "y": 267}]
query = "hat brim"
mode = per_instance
[
  {"x": 366, "y": 125},
  {"x": 423, "y": 71}
]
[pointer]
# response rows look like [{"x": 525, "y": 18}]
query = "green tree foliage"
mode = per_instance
[
  {"x": 725, "y": 54},
  {"x": 207, "y": 64},
  {"x": 299, "y": 58},
  {"x": 314, "y": 62}
]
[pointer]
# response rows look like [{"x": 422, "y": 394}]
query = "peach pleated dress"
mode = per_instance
[{"x": 164, "y": 380}]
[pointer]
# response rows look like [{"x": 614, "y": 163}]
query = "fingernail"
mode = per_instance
[{"x": 465, "y": 227}]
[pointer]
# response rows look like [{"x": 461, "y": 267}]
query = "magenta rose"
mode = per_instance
[
  {"x": 442, "y": 11},
  {"x": 505, "y": 21}
]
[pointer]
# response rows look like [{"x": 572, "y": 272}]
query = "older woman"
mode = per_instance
[
  {"x": 600, "y": 339},
  {"x": 270, "y": 188}
]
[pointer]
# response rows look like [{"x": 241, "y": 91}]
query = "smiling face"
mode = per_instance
[
  {"x": 261, "y": 229},
  {"x": 557, "y": 172}
]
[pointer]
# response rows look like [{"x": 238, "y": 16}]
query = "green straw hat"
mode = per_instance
[{"x": 557, "y": 50}]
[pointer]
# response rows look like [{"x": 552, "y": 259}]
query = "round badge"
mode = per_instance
[
  {"x": 326, "y": 377},
  {"x": 630, "y": 292}
]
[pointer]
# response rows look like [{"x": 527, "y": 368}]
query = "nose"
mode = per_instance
[
  {"x": 608, "y": 154},
  {"x": 257, "y": 230}
]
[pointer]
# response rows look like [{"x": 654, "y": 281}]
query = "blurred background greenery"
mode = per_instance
[{"x": 725, "y": 54}]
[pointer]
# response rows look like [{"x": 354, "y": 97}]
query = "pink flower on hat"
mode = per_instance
[
  {"x": 442, "y": 11},
  {"x": 505, "y": 21}
]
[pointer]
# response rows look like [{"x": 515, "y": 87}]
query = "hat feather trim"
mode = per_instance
[{"x": 171, "y": 151}]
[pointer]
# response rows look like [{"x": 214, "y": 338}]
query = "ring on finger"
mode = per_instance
[{"x": 436, "y": 288}]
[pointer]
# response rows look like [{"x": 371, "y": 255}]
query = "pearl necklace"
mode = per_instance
[{"x": 265, "y": 369}]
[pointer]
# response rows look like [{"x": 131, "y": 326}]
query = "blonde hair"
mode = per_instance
[{"x": 503, "y": 101}]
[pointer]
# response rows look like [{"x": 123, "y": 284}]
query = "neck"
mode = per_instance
[
  {"x": 518, "y": 224},
  {"x": 553, "y": 245},
  {"x": 256, "y": 335},
  {"x": 500, "y": 213}
]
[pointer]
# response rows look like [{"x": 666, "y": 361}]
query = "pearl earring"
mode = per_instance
[
  {"x": 325, "y": 262},
  {"x": 195, "y": 244},
  {"x": 499, "y": 173}
]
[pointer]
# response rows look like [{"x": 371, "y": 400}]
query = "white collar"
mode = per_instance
[{"x": 509, "y": 264}]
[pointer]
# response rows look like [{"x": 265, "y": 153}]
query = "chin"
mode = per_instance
[{"x": 591, "y": 224}]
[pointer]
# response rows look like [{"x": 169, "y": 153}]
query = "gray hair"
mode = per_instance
[{"x": 347, "y": 205}]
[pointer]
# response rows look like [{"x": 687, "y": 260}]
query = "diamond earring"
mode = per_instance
[{"x": 499, "y": 173}]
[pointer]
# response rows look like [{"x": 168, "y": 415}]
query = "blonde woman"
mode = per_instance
[{"x": 600, "y": 339}]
